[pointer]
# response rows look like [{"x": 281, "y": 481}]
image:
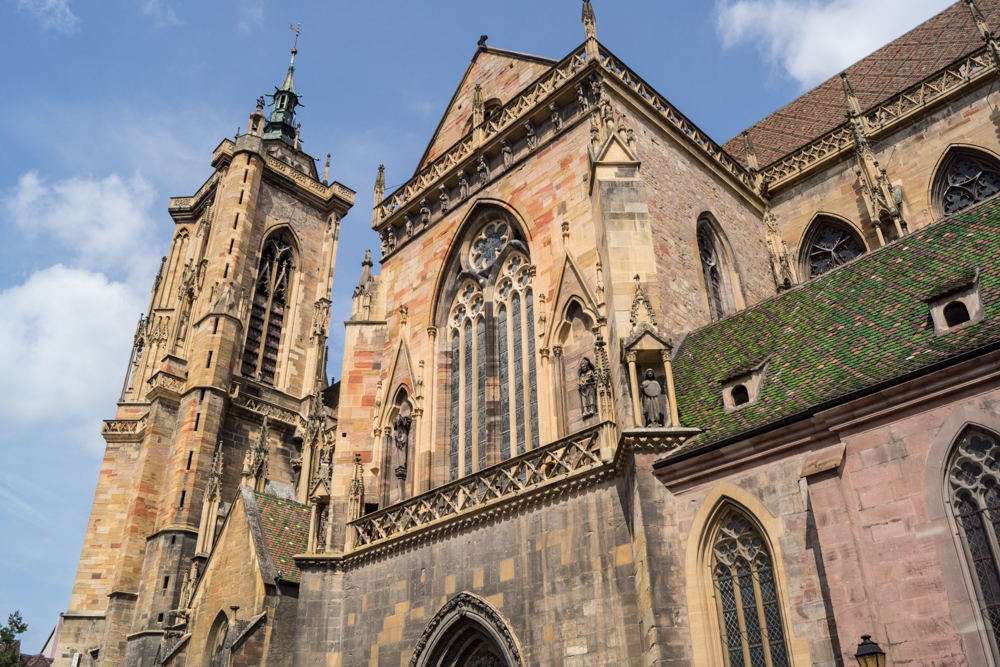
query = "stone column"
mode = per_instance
[
  {"x": 634, "y": 385},
  {"x": 671, "y": 394}
]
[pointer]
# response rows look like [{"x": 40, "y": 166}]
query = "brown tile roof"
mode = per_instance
[
  {"x": 286, "y": 529},
  {"x": 929, "y": 47}
]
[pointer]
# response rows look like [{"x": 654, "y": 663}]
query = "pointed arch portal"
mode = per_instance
[{"x": 467, "y": 632}]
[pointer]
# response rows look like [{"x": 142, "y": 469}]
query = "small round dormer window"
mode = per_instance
[{"x": 488, "y": 245}]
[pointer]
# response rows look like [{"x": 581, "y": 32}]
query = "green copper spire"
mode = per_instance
[{"x": 281, "y": 124}]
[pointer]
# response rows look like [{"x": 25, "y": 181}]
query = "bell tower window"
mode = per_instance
[{"x": 267, "y": 311}]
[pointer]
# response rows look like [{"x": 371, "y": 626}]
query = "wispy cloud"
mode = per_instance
[
  {"x": 162, "y": 13},
  {"x": 251, "y": 15},
  {"x": 53, "y": 14},
  {"x": 812, "y": 40}
]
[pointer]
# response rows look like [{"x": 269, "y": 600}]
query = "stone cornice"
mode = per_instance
[
  {"x": 187, "y": 209},
  {"x": 956, "y": 79}
]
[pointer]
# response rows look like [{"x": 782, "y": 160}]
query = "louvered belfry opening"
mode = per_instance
[{"x": 267, "y": 310}]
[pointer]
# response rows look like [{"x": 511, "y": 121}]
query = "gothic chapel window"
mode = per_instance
[
  {"x": 715, "y": 271},
  {"x": 491, "y": 353},
  {"x": 974, "y": 490},
  {"x": 966, "y": 177},
  {"x": 267, "y": 310},
  {"x": 746, "y": 595},
  {"x": 829, "y": 243}
]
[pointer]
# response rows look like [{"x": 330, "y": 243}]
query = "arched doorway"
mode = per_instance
[{"x": 467, "y": 632}]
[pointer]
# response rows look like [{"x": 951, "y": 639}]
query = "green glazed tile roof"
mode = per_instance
[
  {"x": 286, "y": 529},
  {"x": 864, "y": 323}
]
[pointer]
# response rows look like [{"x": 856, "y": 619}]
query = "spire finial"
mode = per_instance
[
  {"x": 589, "y": 20},
  {"x": 853, "y": 105},
  {"x": 751, "y": 153}
]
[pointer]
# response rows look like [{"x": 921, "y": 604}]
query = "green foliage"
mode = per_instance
[{"x": 9, "y": 654}]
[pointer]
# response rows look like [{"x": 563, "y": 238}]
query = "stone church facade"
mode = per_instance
[{"x": 618, "y": 394}]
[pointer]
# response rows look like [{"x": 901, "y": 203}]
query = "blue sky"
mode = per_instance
[{"x": 114, "y": 106}]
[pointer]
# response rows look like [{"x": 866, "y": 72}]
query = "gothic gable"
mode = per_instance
[{"x": 502, "y": 74}]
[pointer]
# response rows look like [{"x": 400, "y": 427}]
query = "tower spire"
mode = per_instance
[{"x": 281, "y": 125}]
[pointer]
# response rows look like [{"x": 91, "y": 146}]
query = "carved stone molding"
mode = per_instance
[
  {"x": 657, "y": 439},
  {"x": 465, "y": 606},
  {"x": 263, "y": 408},
  {"x": 164, "y": 385}
]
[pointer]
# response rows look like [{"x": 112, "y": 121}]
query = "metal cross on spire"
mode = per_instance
[{"x": 298, "y": 31}]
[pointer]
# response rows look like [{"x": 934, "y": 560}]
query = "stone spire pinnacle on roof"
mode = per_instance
[
  {"x": 589, "y": 20},
  {"x": 985, "y": 32},
  {"x": 853, "y": 105}
]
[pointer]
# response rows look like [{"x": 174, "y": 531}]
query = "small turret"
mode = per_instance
[{"x": 281, "y": 125}]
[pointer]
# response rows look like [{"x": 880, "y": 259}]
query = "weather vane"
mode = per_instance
[{"x": 298, "y": 31}]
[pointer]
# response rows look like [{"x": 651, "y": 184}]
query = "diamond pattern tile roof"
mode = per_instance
[
  {"x": 931, "y": 46},
  {"x": 861, "y": 324},
  {"x": 286, "y": 529}
]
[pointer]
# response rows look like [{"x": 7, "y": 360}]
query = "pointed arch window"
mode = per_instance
[
  {"x": 716, "y": 272},
  {"x": 974, "y": 489},
  {"x": 217, "y": 649},
  {"x": 966, "y": 177},
  {"x": 746, "y": 595},
  {"x": 493, "y": 394},
  {"x": 829, "y": 244},
  {"x": 267, "y": 310}
]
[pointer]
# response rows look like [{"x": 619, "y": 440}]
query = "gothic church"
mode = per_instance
[{"x": 617, "y": 394}]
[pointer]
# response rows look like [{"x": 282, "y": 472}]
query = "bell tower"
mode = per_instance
[{"x": 227, "y": 367}]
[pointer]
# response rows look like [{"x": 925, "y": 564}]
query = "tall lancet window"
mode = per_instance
[
  {"x": 715, "y": 270},
  {"x": 974, "y": 488},
  {"x": 746, "y": 595},
  {"x": 267, "y": 311},
  {"x": 492, "y": 397}
]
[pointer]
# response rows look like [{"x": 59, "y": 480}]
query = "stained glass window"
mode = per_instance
[
  {"x": 710, "y": 269},
  {"x": 504, "y": 384},
  {"x": 968, "y": 181},
  {"x": 481, "y": 388},
  {"x": 455, "y": 366},
  {"x": 830, "y": 245},
  {"x": 973, "y": 477},
  {"x": 467, "y": 384},
  {"x": 746, "y": 596},
  {"x": 515, "y": 316},
  {"x": 532, "y": 388}
]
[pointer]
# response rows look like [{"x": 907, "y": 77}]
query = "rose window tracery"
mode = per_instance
[
  {"x": 747, "y": 596},
  {"x": 831, "y": 246},
  {"x": 969, "y": 181},
  {"x": 489, "y": 244}
]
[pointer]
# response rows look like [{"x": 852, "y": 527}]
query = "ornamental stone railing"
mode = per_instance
[
  {"x": 885, "y": 117},
  {"x": 124, "y": 429},
  {"x": 501, "y": 484},
  {"x": 504, "y": 117},
  {"x": 265, "y": 409}
]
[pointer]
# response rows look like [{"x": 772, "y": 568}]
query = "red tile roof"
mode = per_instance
[
  {"x": 931, "y": 46},
  {"x": 286, "y": 529}
]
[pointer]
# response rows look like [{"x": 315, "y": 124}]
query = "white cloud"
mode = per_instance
[
  {"x": 163, "y": 14},
  {"x": 67, "y": 329},
  {"x": 53, "y": 14},
  {"x": 813, "y": 40},
  {"x": 251, "y": 15},
  {"x": 105, "y": 223},
  {"x": 64, "y": 341}
]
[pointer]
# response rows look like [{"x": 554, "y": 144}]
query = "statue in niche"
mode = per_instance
[
  {"x": 401, "y": 438},
  {"x": 581, "y": 98},
  {"x": 409, "y": 224},
  {"x": 484, "y": 170},
  {"x": 425, "y": 212},
  {"x": 531, "y": 137},
  {"x": 445, "y": 199},
  {"x": 392, "y": 240},
  {"x": 588, "y": 388},
  {"x": 652, "y": 400},
  {"x": 385, "y": 243},
  {"x": 508, "y": 154},
  {"x": 463, "y": 186}
]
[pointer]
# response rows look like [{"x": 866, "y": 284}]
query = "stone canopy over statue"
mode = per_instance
[{"x": 653, "y": 408}]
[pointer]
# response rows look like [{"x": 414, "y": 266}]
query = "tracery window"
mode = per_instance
[
  {"x": 829, "y": 244},
  {"x": 974, "y": 487},
  {"x": 746, "y": 595},
  {"x": 966, "y": 177},
  {"x": 218, "y": 647},
  {"x": 267, "y": 311},
  {"x": 491, "y": 353},
  {"x": 710, "y": 268}
]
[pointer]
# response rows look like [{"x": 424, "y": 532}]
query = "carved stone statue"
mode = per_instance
[
  {"x": 385, "y": 243},
  {"x": 508, "y": 154},
  {"x": 401, "y": 438},
  {"x": 392, "y": 240},
  {"x": 484, "y": 169},
  {"x": 532, "y": 138},
  {"x": 445, "y": 199},
  {"x": 425, "y": 212},
  {"x": 581, "y": 98},
  {"x": 588, "y": 388},
  {"x": 557, "y": 120},
  {"x": 463, "y": 186},
  {"x": 652, "y": 400},
  {"x": 409, "y": 224}
]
